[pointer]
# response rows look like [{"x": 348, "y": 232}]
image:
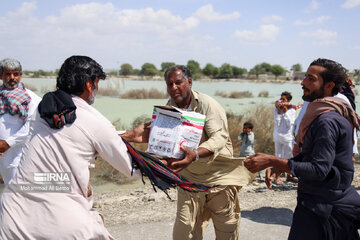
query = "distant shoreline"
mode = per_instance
[{"x": 158, "y": 78}]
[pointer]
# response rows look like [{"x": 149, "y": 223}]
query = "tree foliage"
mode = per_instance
[
  {"x": 257, "y": 70},
  {"x": 148, "y": 69},
  {"x": 195, "y": 69},
  {"x": 357, "y": 75},
  {"x": 226, "y": 71},
  {"x": 166, "y": 65},
  {"x": 210, "y": 70},
  {"x": 296, "y": 68},
  {"x": 237, "y": 71},
  {"x": 126, "y": 69},
  {"x": 277, "y": 70}
]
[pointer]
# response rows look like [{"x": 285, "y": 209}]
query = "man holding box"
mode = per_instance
[{"x": 210, "y": 164}]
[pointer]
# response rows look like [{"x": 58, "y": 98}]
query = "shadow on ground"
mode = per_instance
[{"x": 269, "y": 215}]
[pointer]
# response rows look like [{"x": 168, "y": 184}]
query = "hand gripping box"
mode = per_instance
[{"x": 173, "y": 127}]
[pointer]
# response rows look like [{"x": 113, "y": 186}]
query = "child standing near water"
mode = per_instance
[{"x": 247, "y": 138}]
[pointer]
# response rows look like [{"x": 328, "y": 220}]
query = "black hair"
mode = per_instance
[
  {"x": 76, "y": 71},
  {"x": 287, "y": 95},
  {"x": 249, "y": 125},
  {"x": 334, "y": 72},
  {"x": 185, "y": 70}
]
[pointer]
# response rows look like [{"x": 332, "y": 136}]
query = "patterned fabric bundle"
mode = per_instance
[
  {"x": 57, "y": 109},
  {"x": 14, "y": 101},
  {"x": 159, "y": 175}
]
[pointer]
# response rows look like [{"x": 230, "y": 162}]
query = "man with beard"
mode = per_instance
[
  {"x": 328, "y": 207},
  {"x": 17, "y": 105}
]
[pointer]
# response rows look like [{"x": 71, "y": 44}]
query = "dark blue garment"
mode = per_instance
[{"x": 325, "y": 171}]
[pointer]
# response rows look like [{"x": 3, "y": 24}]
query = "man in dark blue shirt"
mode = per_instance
[{"x": 328, "y": 206}]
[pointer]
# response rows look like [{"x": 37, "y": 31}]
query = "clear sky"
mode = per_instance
[{"x": 43, "y": 33}]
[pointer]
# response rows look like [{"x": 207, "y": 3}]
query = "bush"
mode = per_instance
[
  {"x": 244, "y": 94},
  {"x": 153, "y": 93},
  {"x": 263, "y": 94},
  {"x": 31, "y": 87},
  {"x": 108, "y": 92},
  {"x": 221, "y": 94}
]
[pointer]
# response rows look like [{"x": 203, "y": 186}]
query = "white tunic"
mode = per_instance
[
  {"x": 283, "y": 125},
  {"x": 55, "y": 215},
  {"x": 14, "y": 131}
]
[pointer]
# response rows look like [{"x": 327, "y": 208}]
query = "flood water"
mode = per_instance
[{"x": 126, "y": 110}]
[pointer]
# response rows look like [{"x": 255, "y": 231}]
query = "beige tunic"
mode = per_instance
[
  {"x": 55, "y": 215},
  {"x": 221, "y": 168}
]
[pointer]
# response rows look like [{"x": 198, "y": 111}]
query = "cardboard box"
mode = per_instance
[{"x": 172, "y": 127}]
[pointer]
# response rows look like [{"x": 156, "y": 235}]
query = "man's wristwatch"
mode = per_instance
[{"x": 197, "y": 155}]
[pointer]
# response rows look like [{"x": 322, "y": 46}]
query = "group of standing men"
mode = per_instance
[{"x": 67, "y": 133}]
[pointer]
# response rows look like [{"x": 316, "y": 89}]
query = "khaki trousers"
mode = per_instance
[{"x": 194, "y": 211}]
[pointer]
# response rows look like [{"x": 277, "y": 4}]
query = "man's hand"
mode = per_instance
[
  {"x": 278, "y": 106},
  {"x": 270, "y": 175},
  {"x": 179, "y": 164},
  {"x": 257, "y": 162},
  {"x": 284, "y": 108},
  {"x": 139, "y": 134},
  {"x": 3, "y": 146}
]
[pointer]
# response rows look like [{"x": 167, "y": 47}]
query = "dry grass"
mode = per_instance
[
  {"x": 153, "y": 93},
  {"x": 108, "y": 92},
  {"x": 31, "y": 87},
  {"x": 103, "y": 171},
  {"x": 261, "y": 116},
  {"x": 244, "y": 94},
  {"x": 263, "y": 94}
]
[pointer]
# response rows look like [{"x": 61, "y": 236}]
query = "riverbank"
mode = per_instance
[{"x": 161, "y": 78}]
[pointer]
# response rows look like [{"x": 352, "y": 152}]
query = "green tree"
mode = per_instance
[
  {"x": 226, "y": 71},
  {"x": 148, "y": 69},
  {"x": 277, "y": 70},
  {"x": 126, "y": 69},
  {"x": 195, "y": 69},
  {"x": 357, "y": 75},
  {"x": 257, "y": 69},
  {"x": 210, "y": 70},
  {"x": 296, "y": 68},
  {"x": 266, "y": 66},
  {"x": 237, "y": 71},
  {"x": 166, "y": 65},
  {"x": 136, "y": 71},
  {"x": 41, "y": 73}
]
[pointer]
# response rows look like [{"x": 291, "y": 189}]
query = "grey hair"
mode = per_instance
[
  {"x": 185, "y": 70},
  {"x": 10, "y": 64}
]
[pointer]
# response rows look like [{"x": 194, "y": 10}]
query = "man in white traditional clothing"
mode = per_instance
[
  {"x": 50, "y": 197},
  {"x": 17, "y": 105},
  {"x": 284, "y": 118}
]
